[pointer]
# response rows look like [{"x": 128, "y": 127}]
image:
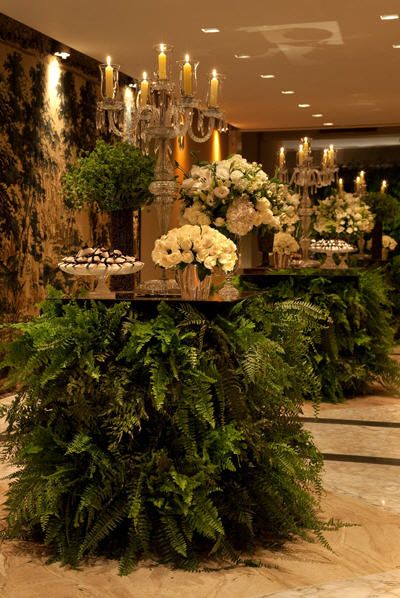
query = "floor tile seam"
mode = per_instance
[
  {"x": 367, "y": 459},
  {"x": 351, "y": 422}
]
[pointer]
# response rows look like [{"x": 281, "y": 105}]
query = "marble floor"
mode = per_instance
[{"x": 361, "y": 443}]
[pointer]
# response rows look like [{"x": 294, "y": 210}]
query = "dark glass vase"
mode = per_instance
[
  {"x": 265, "y": 245},
  {"x": 122, "y": 238}
]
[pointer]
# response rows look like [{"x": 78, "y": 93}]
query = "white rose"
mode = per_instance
[
  {"x": 187, "y": 257},
  {"x": 222, "y": 172},
  {"x": 210, "y": 262},
  {"x": 236, "y": 175},
  {"x": 221, "y": 192}
]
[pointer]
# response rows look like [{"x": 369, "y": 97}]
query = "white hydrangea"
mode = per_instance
[
  {"x": 195, "y": 244},
  {"x": 285, "y": 243},
  {"x": 240, "y": 217}
]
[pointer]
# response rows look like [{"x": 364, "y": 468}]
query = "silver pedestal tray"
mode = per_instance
[
  {"x": 329, "y": 263},
  {"x": 101, "y": 290}
]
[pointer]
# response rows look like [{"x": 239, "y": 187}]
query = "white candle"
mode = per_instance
[
  {"x": 214, "y": 84},
  {"x": 331, "y": 155},
  {"x": 384, "y": 186},
  {"x": 187, "y": 77},
  {"x": 144, "y": 90},
  {"x": 109, "y": 74},
  {"x": 362, "y": 177},
  {"x": 162, "y": 63},
  {"x": 301, "y": 154},
  {"x": 358, "y": 185},
  {"x": 306, "y": 146},
  {"x": 325, "y": 158},
  {"x": 282, "y": 159}
]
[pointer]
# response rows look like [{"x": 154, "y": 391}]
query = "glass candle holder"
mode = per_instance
[
  {"x": 109, "y": 79},
  {"x": 163, "y": 65},
  {"x": 214, "y": 93},
  {"x": 188, "y": 77},
  {"x": 281, "y": 161},
  {"x": 300, "y": 155}
]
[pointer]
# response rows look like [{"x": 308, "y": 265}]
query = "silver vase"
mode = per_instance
[{"x": 191, "y": 286}]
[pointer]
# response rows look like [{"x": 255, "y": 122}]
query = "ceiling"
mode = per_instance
[{"x": 337, "y": 56}]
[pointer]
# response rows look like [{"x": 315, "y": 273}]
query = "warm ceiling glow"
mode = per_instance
[
  {"x": 210, "y": 30},
  {"x": 242, "y": 56},
  {"x": 303, "y": 105},
  {"x": 287, "y": 92},
  {"x": 267, "y": 76},
  {"x": 389, "y": 17},
  {"x": 328, "y": 124},
  {"x": 317, "y": 115},
  {"x": 216, "y": 147}
]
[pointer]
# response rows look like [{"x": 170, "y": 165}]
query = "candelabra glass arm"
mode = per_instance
[
  {"x": 112, "y": 126},
  {"x": 206, "y": 136}
]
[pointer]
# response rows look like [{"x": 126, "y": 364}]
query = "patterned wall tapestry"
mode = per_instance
[{"x": 47, "y": 114}]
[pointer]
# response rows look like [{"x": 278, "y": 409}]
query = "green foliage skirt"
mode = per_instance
[{"x": 172, "y": 436}]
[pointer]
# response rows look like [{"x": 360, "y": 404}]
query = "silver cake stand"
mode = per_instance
[{"x": 102, "y": 275}]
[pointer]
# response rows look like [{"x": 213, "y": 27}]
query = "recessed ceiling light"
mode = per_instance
[
  {"x": 287, "y": 92},
  {"x": 389, "y": 17},
  {"x": 303, "y": 105},
  {"x": 63, "y": 55},
  {"x": 210, "y": 30},
  {"x": 328, "y": 124},
  {"x": 242, "y": 56},
  {"x": 396, "y": 46},
  {"x": 267, "y": 76},
  {"x": 317, "y": 115}
]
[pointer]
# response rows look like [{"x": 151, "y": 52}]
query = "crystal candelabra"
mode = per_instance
[
  {"x": 307, "y": 178},
  {"x": 159, "y": 114}
]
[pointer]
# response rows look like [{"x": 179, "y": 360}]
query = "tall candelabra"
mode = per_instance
[
  {"x": 307, "y": 178},
  {"x": 158, "y": 114}
]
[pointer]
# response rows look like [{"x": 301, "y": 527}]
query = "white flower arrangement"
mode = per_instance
[
  {"x": 285, "y": 243},
  {"x": 203, "y": 246},
  {"x": 284, "y": 205},
  {"x": 343, "y": 215},
  {"x": 233, "y": 195},
  {"x": 389, "y": 243}
]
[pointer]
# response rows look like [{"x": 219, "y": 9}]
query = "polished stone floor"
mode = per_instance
[{"x": 361, "y": 443}]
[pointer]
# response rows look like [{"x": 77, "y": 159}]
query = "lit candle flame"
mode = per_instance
[
  {"x": 214, "y": 73},
  {"x": 108, "y": 60},
  {"x": 144, "y": 75},
  {"x": 186, "y": 57},
  {"x": 162, "y": 47}
]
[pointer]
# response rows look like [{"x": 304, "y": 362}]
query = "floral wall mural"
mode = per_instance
[{"x": 47, "y": 114}]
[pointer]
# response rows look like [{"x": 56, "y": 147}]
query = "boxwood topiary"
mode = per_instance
[{"x": 114, "y": 176}]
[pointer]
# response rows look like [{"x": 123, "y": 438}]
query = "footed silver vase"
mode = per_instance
[{"x": 192, "y": 287}]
